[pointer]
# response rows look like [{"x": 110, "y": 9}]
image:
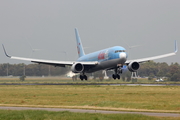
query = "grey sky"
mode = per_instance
[{"x": 49, "y": 25}]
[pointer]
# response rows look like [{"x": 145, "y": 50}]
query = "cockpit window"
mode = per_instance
[{"x": 119, "y": 51}]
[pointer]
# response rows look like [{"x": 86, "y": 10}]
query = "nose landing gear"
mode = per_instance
[{"x": 117, "y": 71}]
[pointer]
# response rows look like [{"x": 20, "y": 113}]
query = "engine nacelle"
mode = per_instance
[
  {"x": 133, "y": 66},
  {"x": 77, "y": 68}
]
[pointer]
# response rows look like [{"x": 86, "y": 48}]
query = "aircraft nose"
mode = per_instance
[{"x": 122, "y": 55}]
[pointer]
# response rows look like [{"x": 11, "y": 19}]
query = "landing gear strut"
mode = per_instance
[
  {"x": 117, "y": 71},
  {"x": 83, "y": 77}
]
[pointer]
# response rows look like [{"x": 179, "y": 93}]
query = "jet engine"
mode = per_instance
[
  {"x": 77, "y": 68},
  {"x": 133, "y": 66}
]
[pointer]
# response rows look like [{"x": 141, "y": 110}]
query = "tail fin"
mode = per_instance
[{"x": 79, "y": 44}]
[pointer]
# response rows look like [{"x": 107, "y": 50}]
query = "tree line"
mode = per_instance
[
  {"x": 149, "y": 69},
  {"x": 159, "y": 70},
  {"x": 7, "y": 69}
]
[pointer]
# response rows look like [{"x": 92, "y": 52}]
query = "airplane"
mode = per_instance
[
  {"x": 113, "y": 58},
  {"x": 159, "y": 80}
]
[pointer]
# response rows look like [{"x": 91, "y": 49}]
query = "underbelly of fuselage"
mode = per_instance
[{"x": 106, "y": 65}]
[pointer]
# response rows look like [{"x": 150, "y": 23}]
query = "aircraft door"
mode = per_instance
[{"x": 106, "y": 55}]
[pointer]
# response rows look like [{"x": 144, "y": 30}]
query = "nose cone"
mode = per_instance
[{"x": 123, "y": 56}]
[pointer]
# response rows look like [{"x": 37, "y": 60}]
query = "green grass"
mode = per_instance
[
  {"x": 129, "y": 98},
  {"x": 47, "y": 115}
]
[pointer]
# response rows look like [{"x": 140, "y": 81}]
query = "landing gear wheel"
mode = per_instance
[
  {"x": 114, "y": 76},
  {"x": 118, "y": 76},
  {"x": 83, "y": 77}
]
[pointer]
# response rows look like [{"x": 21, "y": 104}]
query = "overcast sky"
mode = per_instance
[{"x": 48, "y": 25}]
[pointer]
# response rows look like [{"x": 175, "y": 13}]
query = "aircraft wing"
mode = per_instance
[
  {"x": 155, "y": 57},
  {"x": 50, "y": 62}
]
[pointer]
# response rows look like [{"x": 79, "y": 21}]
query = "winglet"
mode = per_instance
[
  {"x": 5, "y": 51},
  {"x": 176, "y": 47}
]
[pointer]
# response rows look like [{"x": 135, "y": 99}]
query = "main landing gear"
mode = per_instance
[
  {"x": 117, "y": 71},
  {"x": 83, "y": 77},
  {"x": 116, "y": 76}
]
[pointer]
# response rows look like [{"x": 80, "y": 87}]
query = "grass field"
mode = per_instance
[
  {"x": 130, "y": 98},
  {"x": 46, "y": 115},
  {"x": 127, "y": 98}
]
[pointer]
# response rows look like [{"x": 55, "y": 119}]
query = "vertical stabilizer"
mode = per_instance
[{"x": 79, "y": 44}]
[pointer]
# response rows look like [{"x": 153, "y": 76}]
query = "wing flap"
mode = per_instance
[
  {"x": 50, "y": 62},
  {"x": 53, "y": 62},
  {"x": 41, "y": 61}
]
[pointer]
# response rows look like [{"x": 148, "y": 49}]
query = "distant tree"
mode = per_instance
[
  {"x": 74, "y": 78},
  {"x": 128, "y": 78},
  {"x": 151, "y": 76},
  {"x": 99, "y": 75},
  {"x": 123, "y": 78},
  {"x": 162, "y": 69},
  {"x": 22, "y": 78},
  {"x": 174, "y": 72}
]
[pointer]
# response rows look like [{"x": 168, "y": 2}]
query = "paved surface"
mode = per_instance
[
  {"x": 111, "y": 84},
  {"x": 93, "y": 111}
]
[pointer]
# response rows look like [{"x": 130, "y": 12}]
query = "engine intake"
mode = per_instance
[
  {"x": 133, "y": 66},
  {"x": 77, "y": 68}
]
